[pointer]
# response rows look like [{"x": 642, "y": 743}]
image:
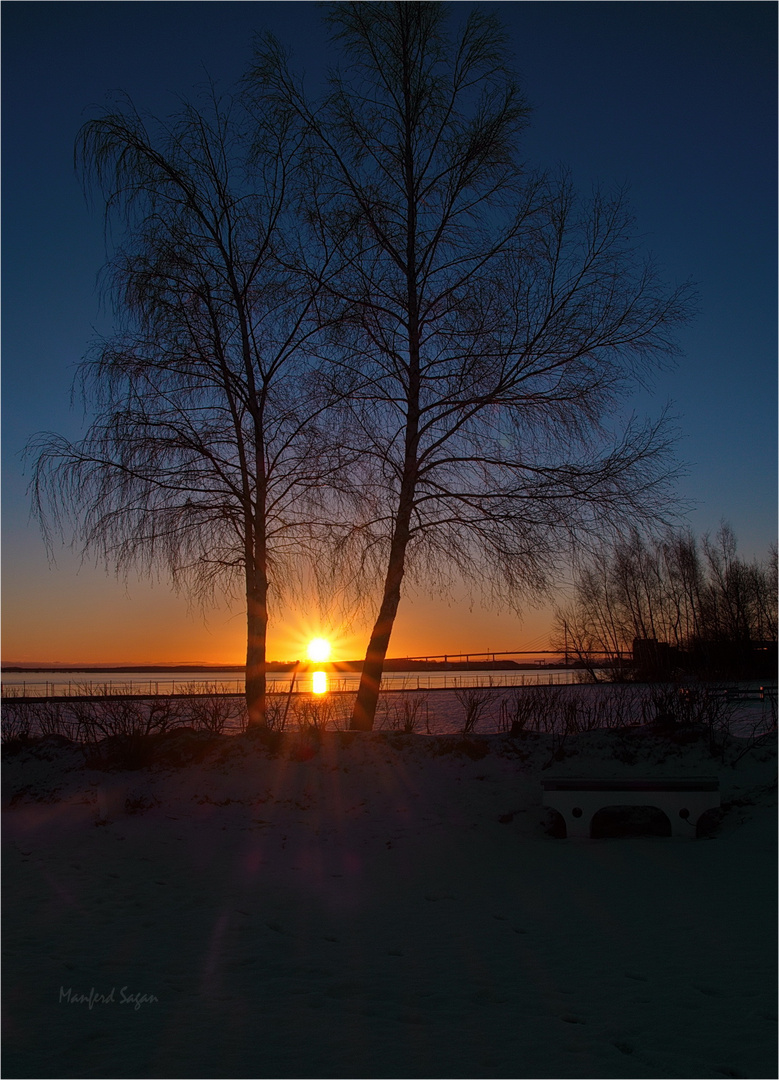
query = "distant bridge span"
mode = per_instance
[{"x": 509, "y": 652}]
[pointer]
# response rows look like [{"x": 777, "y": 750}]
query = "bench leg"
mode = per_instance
[
  {"x": 577, "y": 828},
  {"x": 683, "y": 828}
]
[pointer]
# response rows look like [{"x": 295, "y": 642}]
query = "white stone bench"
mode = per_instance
[{"x": 682, "y": 799}]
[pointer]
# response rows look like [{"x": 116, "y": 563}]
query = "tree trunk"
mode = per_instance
[
  {"x": 373, "y": 665},
  {"x": 370, "y": 680},
  {"x": 257, "y": 629},
  {"x": 256, "y": 555}
]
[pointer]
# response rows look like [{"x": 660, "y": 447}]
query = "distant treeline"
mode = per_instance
[
  {"x": 288, "y": 666},
  {"x": 91, "y": 669},
  {"x": 658, "y": 605}
]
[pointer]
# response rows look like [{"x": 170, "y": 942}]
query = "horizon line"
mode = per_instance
[{"x": 173, "y": 664}]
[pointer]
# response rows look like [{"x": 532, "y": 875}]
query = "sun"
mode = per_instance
[{"x": 318, "y": 650}]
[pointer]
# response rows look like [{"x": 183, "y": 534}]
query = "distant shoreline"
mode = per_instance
[
  {"x": 287, "y": 666},
  {"x": 122, "y": 669}
]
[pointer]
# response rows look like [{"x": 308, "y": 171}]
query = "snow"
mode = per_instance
[{"x": 342, "y": 904}]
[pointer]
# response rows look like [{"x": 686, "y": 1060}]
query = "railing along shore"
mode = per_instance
[{"x": 53, "y": 689}]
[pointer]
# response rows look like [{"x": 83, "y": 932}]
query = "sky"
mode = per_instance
[{"x": 678, "y": 100}]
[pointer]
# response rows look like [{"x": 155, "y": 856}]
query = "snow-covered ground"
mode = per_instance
[{"x": 381, "y": 905}]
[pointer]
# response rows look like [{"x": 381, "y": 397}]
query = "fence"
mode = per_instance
[{"x": 21, "y": 687}]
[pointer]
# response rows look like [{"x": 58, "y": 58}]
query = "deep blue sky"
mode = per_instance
[{"x": 677, "y": 99}]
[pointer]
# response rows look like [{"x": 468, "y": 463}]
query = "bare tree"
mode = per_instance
[
  {"x": 590, "y": 630},
  {"x": 684, "y": 581},
  {"x": 715, "y": 609},
  {"x": 636, "y": 586},
  {"x": 490, "y": 323},
  {"x": 205, "y": 454},
  {"x": 728, "y": 599},
  {"x": 765, "y": 591}
]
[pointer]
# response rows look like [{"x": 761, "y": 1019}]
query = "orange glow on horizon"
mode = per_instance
[{"x": 101, "y": 621}]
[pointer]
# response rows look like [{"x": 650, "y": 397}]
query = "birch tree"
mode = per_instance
[
  {"x": 204, "y": 453},
  {"x": 490, "y": 323}
]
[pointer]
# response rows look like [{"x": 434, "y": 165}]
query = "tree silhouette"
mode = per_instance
[
  {"x": 205, "y": 454},
  {"x": 486, "y": 323},
  {"x": 716, "y": 611}
]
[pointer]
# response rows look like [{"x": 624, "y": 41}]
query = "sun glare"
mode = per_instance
[
  {"x": 319, "y": 650},
  {"x": 319, "y": 682}
]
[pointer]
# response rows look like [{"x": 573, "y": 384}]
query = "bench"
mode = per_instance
[{"x": 682, "y": 799}]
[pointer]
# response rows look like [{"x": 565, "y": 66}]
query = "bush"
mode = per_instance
[
  {"x": 313, "y": 713},
  {"x": 212, "y": 711},
  {"x": 404, "y": 712},
  {"x": 24, "y": 720},
  {"x": 16, "y": 721},
  {"x": 103, "y": 717},
  {"x": 474, "y": 700},
  {"x": 276, "y": 711}
]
